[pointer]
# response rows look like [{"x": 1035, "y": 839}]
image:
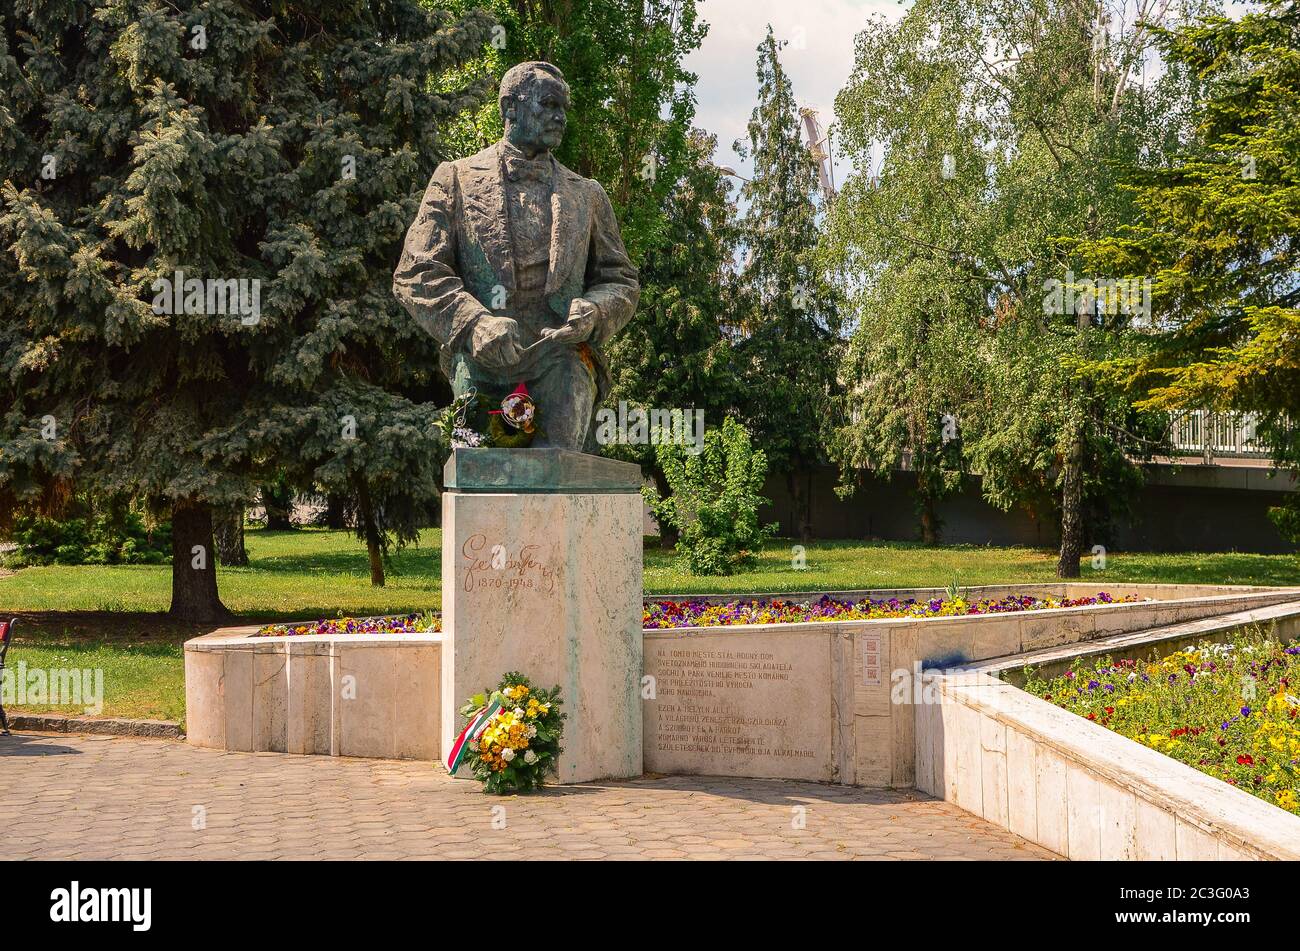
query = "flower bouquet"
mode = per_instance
[{"x": 512, "y": 738}]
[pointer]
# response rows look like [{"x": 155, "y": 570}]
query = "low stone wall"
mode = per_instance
[
  {"x": 375, "y": 695},
  {"x": 834, "y": 701},
  {"x": 1077, "y": 788},
  {"x": 823, "y": 701}
]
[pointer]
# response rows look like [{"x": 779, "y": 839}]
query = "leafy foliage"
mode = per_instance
[
  {"x": 673, "y": 354},
  {"x": 995, "y": 125},
  {"x": 1218, "y": 228},
  {"x": 715, "y": 500}
]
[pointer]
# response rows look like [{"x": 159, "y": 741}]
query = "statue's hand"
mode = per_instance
[
  {"x": 581, "y": 322},
  {"x": 494, "y": 341}
]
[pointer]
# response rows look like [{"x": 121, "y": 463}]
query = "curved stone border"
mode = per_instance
[
  {"x": 832, "y": 701},
  {"x": 1080, "y": 789}
]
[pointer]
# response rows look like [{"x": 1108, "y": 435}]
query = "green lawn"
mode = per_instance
[
  {"x": 140, "y": 680},
  {"x": 96, "y": 616}
]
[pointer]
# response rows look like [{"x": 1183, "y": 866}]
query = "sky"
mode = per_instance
[{"x": 818, "y": 60}]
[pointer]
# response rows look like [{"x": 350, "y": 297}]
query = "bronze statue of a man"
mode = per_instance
[{"x": 515, "y": 265}]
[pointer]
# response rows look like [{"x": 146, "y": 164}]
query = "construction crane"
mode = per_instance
[{"x": 825, "y": 169}]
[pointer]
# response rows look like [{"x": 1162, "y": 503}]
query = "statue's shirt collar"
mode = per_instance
[{"x": 516, "y": 167}]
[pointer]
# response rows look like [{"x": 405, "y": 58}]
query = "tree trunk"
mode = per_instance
[
  {"x": 929, "y": 522},
  {"x": 800, "y": 502},
  {"x": 228, "y": 533},
  {"x": 374, "y": 543},
  {"x": 277, "y": 499},
  {"x": 336, "y": 511},
  {"x": 194, "y": 568},
  {"x": 668, "y": 534},
  {"x": 1072, "y": 511}
]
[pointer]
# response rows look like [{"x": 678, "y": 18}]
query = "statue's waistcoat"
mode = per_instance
[{"x": 487, "y": 238}]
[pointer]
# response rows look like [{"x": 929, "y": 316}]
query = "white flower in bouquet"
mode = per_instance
[
  {"x": 464, "y": 438},
  {"x": 529, "y": 757},
  {"x": 532, "y": 730},
  {"x": 508, "y": 754},
  {"x": 519, "y": 712}
]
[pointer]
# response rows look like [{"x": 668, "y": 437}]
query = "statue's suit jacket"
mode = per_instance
[{"x": 458, "y": 251}]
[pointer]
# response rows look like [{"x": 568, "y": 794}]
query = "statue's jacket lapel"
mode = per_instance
[
  {"x": 571, "y": 217},
  {"x": 484, "y": 246}
]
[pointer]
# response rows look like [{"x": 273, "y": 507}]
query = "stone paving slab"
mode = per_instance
[{"x": 102, "y": 797}]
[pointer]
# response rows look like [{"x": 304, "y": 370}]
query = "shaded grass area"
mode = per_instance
[
  {"x": 111, "y": 616},
  {"x": 144, "y": 681}
]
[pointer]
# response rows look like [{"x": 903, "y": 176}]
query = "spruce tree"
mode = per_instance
[
  {"x": 787, "y": 315},
  {"x": 284, "y": 142}
]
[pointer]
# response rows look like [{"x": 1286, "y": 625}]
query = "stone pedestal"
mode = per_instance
[{"x": 541, "y": 574}]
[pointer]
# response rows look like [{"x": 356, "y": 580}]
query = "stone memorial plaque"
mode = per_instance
[{"x": 743, "y": 704}]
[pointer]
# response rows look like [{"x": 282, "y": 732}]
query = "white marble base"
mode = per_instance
[
  {"x": 372, "y": 695},
  {"x": 562, "y": 606}
]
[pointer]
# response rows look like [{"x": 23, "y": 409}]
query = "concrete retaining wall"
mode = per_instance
[
  {"x": 1079, "y": 789},
  {"x": 373, "y": 695},
  {"x": 826, "y": 701},
  {"x": 834, "y": 701}
]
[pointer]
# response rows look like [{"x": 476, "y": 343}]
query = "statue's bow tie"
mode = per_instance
[{"x": 528, "y": 170}]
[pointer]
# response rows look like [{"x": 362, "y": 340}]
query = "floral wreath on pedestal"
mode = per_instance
[
  {"x": 512, "y": 426},
  {"x": 512, "y": 738}
]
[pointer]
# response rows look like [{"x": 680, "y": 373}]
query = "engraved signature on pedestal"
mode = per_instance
[{"x": 496, "y": 567}]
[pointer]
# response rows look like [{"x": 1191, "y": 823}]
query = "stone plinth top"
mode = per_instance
[{"x": 559, "y": 471}]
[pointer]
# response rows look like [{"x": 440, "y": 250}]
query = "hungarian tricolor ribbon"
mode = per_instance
[{"x": 478, "y": 722}]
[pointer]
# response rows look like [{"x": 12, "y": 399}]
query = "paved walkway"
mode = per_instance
[{"x": 84, "y": 797}]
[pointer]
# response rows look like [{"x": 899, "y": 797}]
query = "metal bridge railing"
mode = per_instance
[{"x": 1207, "y": 433}]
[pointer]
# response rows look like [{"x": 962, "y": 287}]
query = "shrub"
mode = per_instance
[
  {"x": 715, "y": 500},
  {"x": 89, "y": 538},
  {"x": 1287, "y": 519}
]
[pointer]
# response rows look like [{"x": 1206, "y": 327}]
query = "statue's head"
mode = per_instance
[{"x": 534, "y": 97}]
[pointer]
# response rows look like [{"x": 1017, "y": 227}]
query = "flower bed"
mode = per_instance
[
  {"x": 394, "y": 624},
  {"x": 667, "y": 614},
  {"x": 1229, "y": 710}
]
